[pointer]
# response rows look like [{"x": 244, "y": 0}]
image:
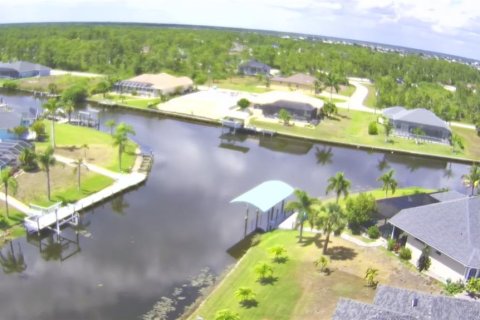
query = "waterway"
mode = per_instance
[{"x": 140, "y": 246}]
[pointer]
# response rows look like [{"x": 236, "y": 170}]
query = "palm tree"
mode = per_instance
[
  {"x": 370, "y": 276},
  {"x": 472, "y": 179},
  {"x": 47, "y": 160},
  {"x": 226, "y": 314},
  {"x": 388, "y": 129},
  {"x": 264, "y": 271},
  {"x": 51, "y": 107},
  {"x": 120, "y": 139},
  {"x": 111, "y": 124},
  {"x": 85, "y": 148},
  {"x": 11, "y": 263},
  {"x": 69, "y": 109},
  {"x": 28, "y": 159},
  {"x": 278, "y": 253},
  {"x": 245, "y": 295},
  {"x": 388, "y": 181},
  {"x": 322, "y": 263},
  {"x": 285, "y": 116},
  {"x": 332, "y": 82},
  {"x": 331, "y": 218},
  {"x": 78, "y": 171},
  {"x": 304, "y": 206},
  {"x": 8, "y": 181},
  {"x": 339, "y": 184}
]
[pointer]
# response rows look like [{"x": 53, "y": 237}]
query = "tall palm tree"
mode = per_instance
[
  {"x": 69, "y": 109},
  {"x": 51, "y": 107},
  {"x": 304, "y": 205},
  {"x": 339, "y": 184},
  {"x": 8, "y": 181},
  {"x": 47, "y": 160},
  {"x": 472, "y": 179},
  {"x": 332, "y": 82},
  {"x": 331, "y": 218},
  {"x": 111, "y": 124},
  {"x": 78, "y": 170},
  {"x": 11, "y": 262},
  {"x": 388, "y": 181},
  {"x": 120, "y": 139}
]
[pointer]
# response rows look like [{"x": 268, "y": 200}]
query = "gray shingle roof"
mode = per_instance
[
  {"x": 22, "y": 66},
  {"x": 448, "y": 195},
  {"x": 451, "y": 227},
  {"x": 255, "y": 64},
  {"x": 353, "y": 310},
  {"x": 291, "y": 105},
  {"x": 418, "y": 116},
  {"x": 430, "y": 307}
]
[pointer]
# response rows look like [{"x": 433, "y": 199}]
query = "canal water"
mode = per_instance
[{"x": 138, "y": 247}]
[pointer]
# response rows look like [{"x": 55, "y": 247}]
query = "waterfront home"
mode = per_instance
[
  {"x": 22, "y": 69},
  {"x": 154, "y": 85},
  {"x": 253, "y": 68},
  {"x": 402, "y": 304},
  {"x": 9, "y": 119},
  {"x": 297, "y": 81},
  {"x": 450, "y": 228},
  {"x": 418, "y": 123},
  {"x": 10, "y": 151}
]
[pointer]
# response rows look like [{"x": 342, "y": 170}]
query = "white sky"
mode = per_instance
[{"x": 450, "y": 26}]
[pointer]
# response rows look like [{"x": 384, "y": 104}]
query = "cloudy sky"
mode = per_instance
[{"x": 450, "y": 26}]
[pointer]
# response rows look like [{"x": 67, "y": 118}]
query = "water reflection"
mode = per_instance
[
  {"x": 11, "y": 261},
  {"x": 324, "y": 155}
]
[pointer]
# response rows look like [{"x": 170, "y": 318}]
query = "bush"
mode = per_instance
[
  {"x": 405, "y": 254},
  {"x": 424, "y": 261},
  {"x": 359, "y": 210},
  {"x": 243, "y": 103},
  {"x": 473, "y": 287},
  {"x": 373, "y": 232},
  {"x": 391, "y": 244},
  {"x": 453, "y": 288},
  {"x": 372, "y": 128},
  {"x": 10, "y": 85}
]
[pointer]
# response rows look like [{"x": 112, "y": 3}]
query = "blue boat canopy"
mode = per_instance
[{"x": 266, "y": 195}]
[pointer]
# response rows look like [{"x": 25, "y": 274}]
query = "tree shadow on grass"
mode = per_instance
[
  {"x": 280, "y": 260},
  {"x": 306, "y": 241},
  {"x": 341, "y": 253},
  {"x": 268, "y": 280},
  {"x": 251, "y": 303}
]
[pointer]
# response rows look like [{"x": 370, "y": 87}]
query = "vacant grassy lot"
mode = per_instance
[
  {"x": 301, "y": 292},
  {"x": 32, "y": 187},
  {"x": 62, "y": 82},
  {"x": 351, "y": 127},
  {"x": 128, "y": 100},
  {"x": 249, "y": 84},
  {"x": 70, "y": 139}
]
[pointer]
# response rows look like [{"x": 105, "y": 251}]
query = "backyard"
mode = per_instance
[
  {"x": 298, "y": 290},
  {"x": 61, "y": 82},
  {"x": 351, "y": 127},
  {"x": 127, "y": 100}
]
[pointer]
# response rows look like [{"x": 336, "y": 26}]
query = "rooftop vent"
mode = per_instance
[{"x": 414, "y": 302}]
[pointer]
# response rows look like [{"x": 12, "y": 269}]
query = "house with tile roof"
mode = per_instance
[
  {"x": 22, "y": 69},
  {"x": 401, "y": 304},
  {"x": 450, "y": 228},
  {"x": 154, "y": 85},
  {"x": 408, "y": 122}
]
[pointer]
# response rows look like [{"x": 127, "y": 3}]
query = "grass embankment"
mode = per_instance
[
  {"x": 70, "y": 140},
  {"x": 62, "y": 82},
  {"x": 138, "y": 102},
  {"x": 351, "y": 127},
  {"x": 301, "y": 292},
  {"x": 10, "y": 227}
]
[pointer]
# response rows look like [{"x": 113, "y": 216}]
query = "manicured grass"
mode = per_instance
[
  {"x": 10, "y": 227},
  {"x": 61, "y": 81},
  {"x": 351, "y": 127},
  {"x": 128, "y": 100},
  {"x": 371, "y": 99},
  {"x": 347, "y": 90},
  {"x": 69, "y": 140},
  {"x": 301, "y": 292},
  {"x": 334, "y": 100},
  {"x": 249, "y": 84}
]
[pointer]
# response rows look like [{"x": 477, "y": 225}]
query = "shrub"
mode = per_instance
[
  {"x": 243, "y": 103},
  {"x": 359, "y": 210},
  {"x": 424, "y": 260},
  {"x": 405, "y": 254},
  {"x": 279, "y": 253},
  {"x": 473, "y": 287},
  {"x": 39, "y": 128},
  {"x": 372, "y": 128},
  {"x": 226, "y": 314},
  {"x": 264, "y": 271},
  {"x": 10, "y": 85},
  {"x": 245, "y": 296},
  {"x": 452, "y": 288},
  {"x": 370, "y": 276},
  {"x": 322, "y": 264},
  {"x": 391, "y": 244},
  {"x": 373, "y": 232}
]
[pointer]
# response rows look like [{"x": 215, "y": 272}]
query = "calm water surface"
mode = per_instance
[{"x": 139, "y": 246}]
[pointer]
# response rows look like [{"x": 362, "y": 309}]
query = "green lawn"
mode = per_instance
[
  {"x": 249, "y": 84},
  {"x": 347, "y": 90},
  {"x": 62, "y": 82},
  {"x": 69, "y": 139},
  {"x": 371, "y": 99},
  {"x": 350, "y": 127},
  {"x": 12, "y": 225},
  {"x": 334, "y": 100},
  {"x": 138, "y": 102}
]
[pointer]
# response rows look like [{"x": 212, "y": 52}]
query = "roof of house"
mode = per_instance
[
  {"x": 389, "y": 207},
  {"x": 274, "y": 96},
  {"x": 22, "y": 66},
  {"x": 299, "y": 78},
  {"x": 447, "y": 195},
  {"x": 289, "y": 105},
  {"x": 418, "y": 116},
  {"x": 451, "y": 227},
  {"x": 429, "y": 307},
  {"x": 353, "y": 310},
  {"x": 162, "y": 81},
  {"x": 253, "y": 63},
  {"x": 9, "y": 119}
]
